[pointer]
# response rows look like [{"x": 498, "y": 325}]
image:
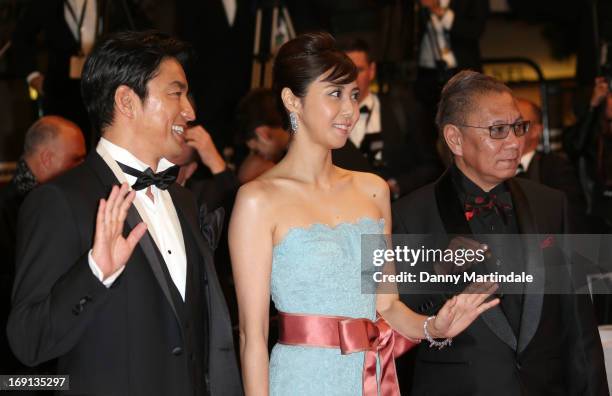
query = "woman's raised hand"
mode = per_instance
[{"x": 461, "y": 310}]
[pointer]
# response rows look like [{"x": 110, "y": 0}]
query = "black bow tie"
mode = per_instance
[{"x": 146, "y": 178}]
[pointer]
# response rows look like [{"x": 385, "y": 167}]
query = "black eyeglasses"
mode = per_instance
[{"x": 500, "y": 131}]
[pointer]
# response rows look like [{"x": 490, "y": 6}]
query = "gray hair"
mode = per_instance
[
  {"x": 43, "y": 132},
  {"x": 460, "y": 94}
]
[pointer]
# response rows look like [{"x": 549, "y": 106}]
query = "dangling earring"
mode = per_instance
[{"x": 294, "y": 122}]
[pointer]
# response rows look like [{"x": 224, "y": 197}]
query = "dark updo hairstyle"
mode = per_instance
[{"x": 303, "y": 60}]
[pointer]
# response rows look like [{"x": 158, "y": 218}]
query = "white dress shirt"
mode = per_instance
[
  {"x": 230, "y": 7},
  {"x": 159, "y": 215},
  {"x": 367, "y": 123},
  {"x": 525, "y": 161},
  {"x": 437, "y": 28},
  {"x": 88, "y": 29}
]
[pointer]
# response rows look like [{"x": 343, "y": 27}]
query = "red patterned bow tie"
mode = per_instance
[{"x": 485, "y": 205}]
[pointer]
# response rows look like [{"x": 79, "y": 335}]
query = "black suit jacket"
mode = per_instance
[
  {"x": 221, "y": 73},
  {"x": 349, "y": 157},
  {"x": 468, "y": 27},
  {"x": 558, "y": 350},
  {"x": 556, "y": 171},
  {"x": 124, "y": 340},
  {"x": 10, "y": 201},
  {"x": 62, "y": 95},
  {"x": 409, "y": 151},
  {"x": 47, "y": 17}
]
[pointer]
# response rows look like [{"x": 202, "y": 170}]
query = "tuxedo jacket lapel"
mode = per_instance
[
  {"x": 455, "y": 223},
  {"x": 214, "y": 296},
  {"x": 150, "y": 250},
  {"x": 184, "y": 209},
  {"x": 533, "y": 298},
  {"x": 450, "y": 207},
  {"x": 533, "y": 172}
]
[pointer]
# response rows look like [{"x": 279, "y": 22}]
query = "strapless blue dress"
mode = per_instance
[{"x": 317, "y": 270}]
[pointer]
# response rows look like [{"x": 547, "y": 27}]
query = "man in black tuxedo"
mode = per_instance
[
  {"x": 70, "y": 29},
  {"x": 136, "y": 315},
  {"x": 551, "y": 169},
  {"x": 532, "y": 343},
  {"x": 448, "y": 34},
  {"x": 390, "y": 132},
  {"x": 222, "y": 35}
]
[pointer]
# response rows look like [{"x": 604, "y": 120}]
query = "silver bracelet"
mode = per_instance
[{"x": 432, "y": 342}]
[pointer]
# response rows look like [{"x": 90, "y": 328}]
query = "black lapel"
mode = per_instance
[
  {"x": 184, "y": 208},
  {"x": 450, "y": 207},
  {"x": 104, "y": 173},
  {"x": 391, "y": 122},
  {"x": 99, "y": 18},
  {"x": 453, "y": 219},
  {"x": 64, "y": 24},
  {"x": 533, "y": 172},
  {"x": 150, "y": 250},
  {"x": 533, "y": 297},
  {"x": 385, "y": 120}
]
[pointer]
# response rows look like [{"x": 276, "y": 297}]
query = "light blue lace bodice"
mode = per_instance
[{"x": 317, "y": 270}]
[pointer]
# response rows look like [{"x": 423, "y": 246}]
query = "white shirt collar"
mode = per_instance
[
  {"x": 526, "y": 160},
  {"x": 123, "y": 156},
  {"x": 368, "y": 102}
]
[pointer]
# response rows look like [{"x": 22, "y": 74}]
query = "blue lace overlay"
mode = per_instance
[{"x": 316, "y": 270}]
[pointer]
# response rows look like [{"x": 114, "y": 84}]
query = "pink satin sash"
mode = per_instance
[{"x": 351, "y": 335}]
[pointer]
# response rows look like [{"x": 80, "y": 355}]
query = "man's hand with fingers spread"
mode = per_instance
[{"x": 111, "y": 250}]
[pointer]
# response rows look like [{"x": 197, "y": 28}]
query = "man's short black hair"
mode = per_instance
[
  {"x": 259, "y": 107},
  {"x": 355, "y": 45},
  {"x": 126, "y": 58}
]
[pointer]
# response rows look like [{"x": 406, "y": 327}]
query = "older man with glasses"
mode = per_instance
[{"x": 535, "y": 342}]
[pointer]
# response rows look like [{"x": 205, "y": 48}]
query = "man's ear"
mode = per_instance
[
  {"x": 263, "y": 133},
  {"x": 252, "y": 144},
  {"x": 454, "y": 139},
  {"x": 125, "y": 101},
  {"x": 291, "y": 102},
  {"x": 372, "y": 70},
  {"x": 45, "y": 158}
]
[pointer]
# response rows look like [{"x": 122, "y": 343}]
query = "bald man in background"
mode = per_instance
[{"x": 52, "y": 146}]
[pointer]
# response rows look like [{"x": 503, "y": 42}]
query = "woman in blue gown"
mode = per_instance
[{"x": 295, "y": 236}]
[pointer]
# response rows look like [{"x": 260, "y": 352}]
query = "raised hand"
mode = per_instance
[
  {"x": 461, "y": 310},
  {"x": 199, "y": 138},
  {"x": 111, "y": 250}
]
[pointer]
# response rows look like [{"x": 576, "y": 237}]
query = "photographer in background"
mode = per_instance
[{"x": 589, "y": 145}]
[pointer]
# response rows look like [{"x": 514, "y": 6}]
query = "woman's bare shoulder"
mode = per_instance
[
  {"x": 369, "y": 183},
  {"x": 263, "y": 190}
]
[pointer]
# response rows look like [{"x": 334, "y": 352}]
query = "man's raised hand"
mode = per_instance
[{"x": 111, "y": 250}]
